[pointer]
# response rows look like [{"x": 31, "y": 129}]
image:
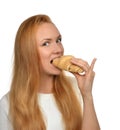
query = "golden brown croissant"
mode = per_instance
[{"x": 64, "y": 63}]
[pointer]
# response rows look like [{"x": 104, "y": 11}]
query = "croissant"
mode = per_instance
[{"x": 64, "y": 63}]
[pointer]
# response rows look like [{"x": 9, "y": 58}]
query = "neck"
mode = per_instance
[{"x": 46, "y": 84}]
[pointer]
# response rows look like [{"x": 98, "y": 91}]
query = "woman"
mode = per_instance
[{"x": 41, "y": 96}]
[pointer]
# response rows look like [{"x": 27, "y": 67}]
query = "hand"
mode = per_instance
[{"x": 85, "y": 81}]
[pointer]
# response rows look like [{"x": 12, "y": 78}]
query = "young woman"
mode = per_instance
[{"x": 41, "y": 96}]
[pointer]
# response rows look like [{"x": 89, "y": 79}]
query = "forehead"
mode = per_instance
[{"x": 47, "y": 30}]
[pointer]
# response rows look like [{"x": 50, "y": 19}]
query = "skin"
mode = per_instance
[
  {"x": 85, "y": 83},
  {"x": 49, "y": 47}
]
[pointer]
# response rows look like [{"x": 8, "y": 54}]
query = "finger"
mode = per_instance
[
  {"x": 79, "y": 62},
  {"x": 93, "y": 63}
]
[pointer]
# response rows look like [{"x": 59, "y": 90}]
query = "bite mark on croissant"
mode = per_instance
[{"x": 64, "y": 63}]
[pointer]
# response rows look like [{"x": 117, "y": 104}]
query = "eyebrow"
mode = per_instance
[{"x": 49, "y": 39}]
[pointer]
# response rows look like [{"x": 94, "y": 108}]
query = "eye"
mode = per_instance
[
  {"x": 59, "y": 40},
  {"x": 45, "y": 44}
]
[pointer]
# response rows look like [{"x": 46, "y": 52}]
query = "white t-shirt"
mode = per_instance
[
  {"x": 5, "y": 123},
  {"x": 52, "y": 115}
]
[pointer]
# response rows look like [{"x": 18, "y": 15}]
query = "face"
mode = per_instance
[{"x": 49, "y": 47}]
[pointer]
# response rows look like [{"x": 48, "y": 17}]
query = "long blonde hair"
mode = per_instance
[{"x": 25, "y": 113}]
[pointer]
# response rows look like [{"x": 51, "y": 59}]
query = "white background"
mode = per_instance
[{"x": 90, "y": 28}]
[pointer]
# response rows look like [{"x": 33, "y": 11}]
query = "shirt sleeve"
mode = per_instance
[{"x": 5, "y": 123}]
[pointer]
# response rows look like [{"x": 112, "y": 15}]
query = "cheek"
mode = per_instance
[
  {"x": 42, "y": 61},
  {"x": 44, "y": 55}
]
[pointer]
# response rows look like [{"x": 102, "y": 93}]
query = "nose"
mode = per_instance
[{"x": 58, "y": 48}]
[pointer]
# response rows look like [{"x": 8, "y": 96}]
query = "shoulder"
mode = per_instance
[
  {"x": 72, "y": 80},
  {"x": 4, "y": 103},
  {"x": 74, "y": 84},
  {"x": 5, "y": 123}
]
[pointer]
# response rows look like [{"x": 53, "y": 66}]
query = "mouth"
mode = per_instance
[{"x": 51, "y": 61}]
